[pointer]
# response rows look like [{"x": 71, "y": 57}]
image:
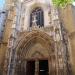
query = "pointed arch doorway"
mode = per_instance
[
  {"x": 34, "y": 54},
  {"x": 39, "y": 67}
]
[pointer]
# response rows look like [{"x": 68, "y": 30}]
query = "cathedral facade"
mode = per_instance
[{"x": 39, "y": 39}]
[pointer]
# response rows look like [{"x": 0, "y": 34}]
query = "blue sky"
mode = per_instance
[{"x": 2, "y": 4}]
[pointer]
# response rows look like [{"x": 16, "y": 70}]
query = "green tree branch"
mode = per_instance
[{"x": 62, "y": 3}]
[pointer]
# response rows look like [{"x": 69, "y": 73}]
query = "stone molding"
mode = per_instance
[{"x": 23, "y": 43}]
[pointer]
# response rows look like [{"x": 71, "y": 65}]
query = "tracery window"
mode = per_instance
[{"x": 37, "y": 17}]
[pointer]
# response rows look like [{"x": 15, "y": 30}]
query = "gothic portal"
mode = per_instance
[
  {"x": 38, "y": 43},
  {"x": 35, "y": 56}
]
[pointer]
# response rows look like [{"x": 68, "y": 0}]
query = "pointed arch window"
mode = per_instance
[{"x": 37, "y": 16}]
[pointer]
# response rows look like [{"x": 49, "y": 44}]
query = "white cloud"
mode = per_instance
[{"x": 73, "y": 3}]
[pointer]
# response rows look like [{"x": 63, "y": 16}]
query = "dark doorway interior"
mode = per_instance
[
  {"x": 43, "y": 67},
  {"x": 30, "y": 68}
]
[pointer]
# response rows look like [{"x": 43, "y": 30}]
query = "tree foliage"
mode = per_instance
[{"x": 62, "y": 3}]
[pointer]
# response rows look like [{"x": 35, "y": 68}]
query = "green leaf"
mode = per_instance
[{"x": 62, "y": 3}]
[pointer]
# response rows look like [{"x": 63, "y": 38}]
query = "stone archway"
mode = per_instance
[{"x": 34, "y": 47}]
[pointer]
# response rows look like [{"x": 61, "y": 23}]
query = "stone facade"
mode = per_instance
[{"x": 53, "y": 41}]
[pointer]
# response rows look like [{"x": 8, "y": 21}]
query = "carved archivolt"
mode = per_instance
[{"x": 28, "y": 41}]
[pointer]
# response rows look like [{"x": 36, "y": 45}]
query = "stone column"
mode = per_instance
[
  {"x": 50, "y": 63},
  {"x": 49, "y": 66},
  {"x": 25, "y": 63},
  {"x": 36, "y": 67}
]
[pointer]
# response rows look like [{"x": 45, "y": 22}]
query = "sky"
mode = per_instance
[
  {"x": 74, "y": 3},
  {"x": 3, "y": 1},
  {"x": 2, "y": 4}
]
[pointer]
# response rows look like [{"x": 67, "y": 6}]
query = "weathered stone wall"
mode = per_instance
[{"x": 68, "y": 21}]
